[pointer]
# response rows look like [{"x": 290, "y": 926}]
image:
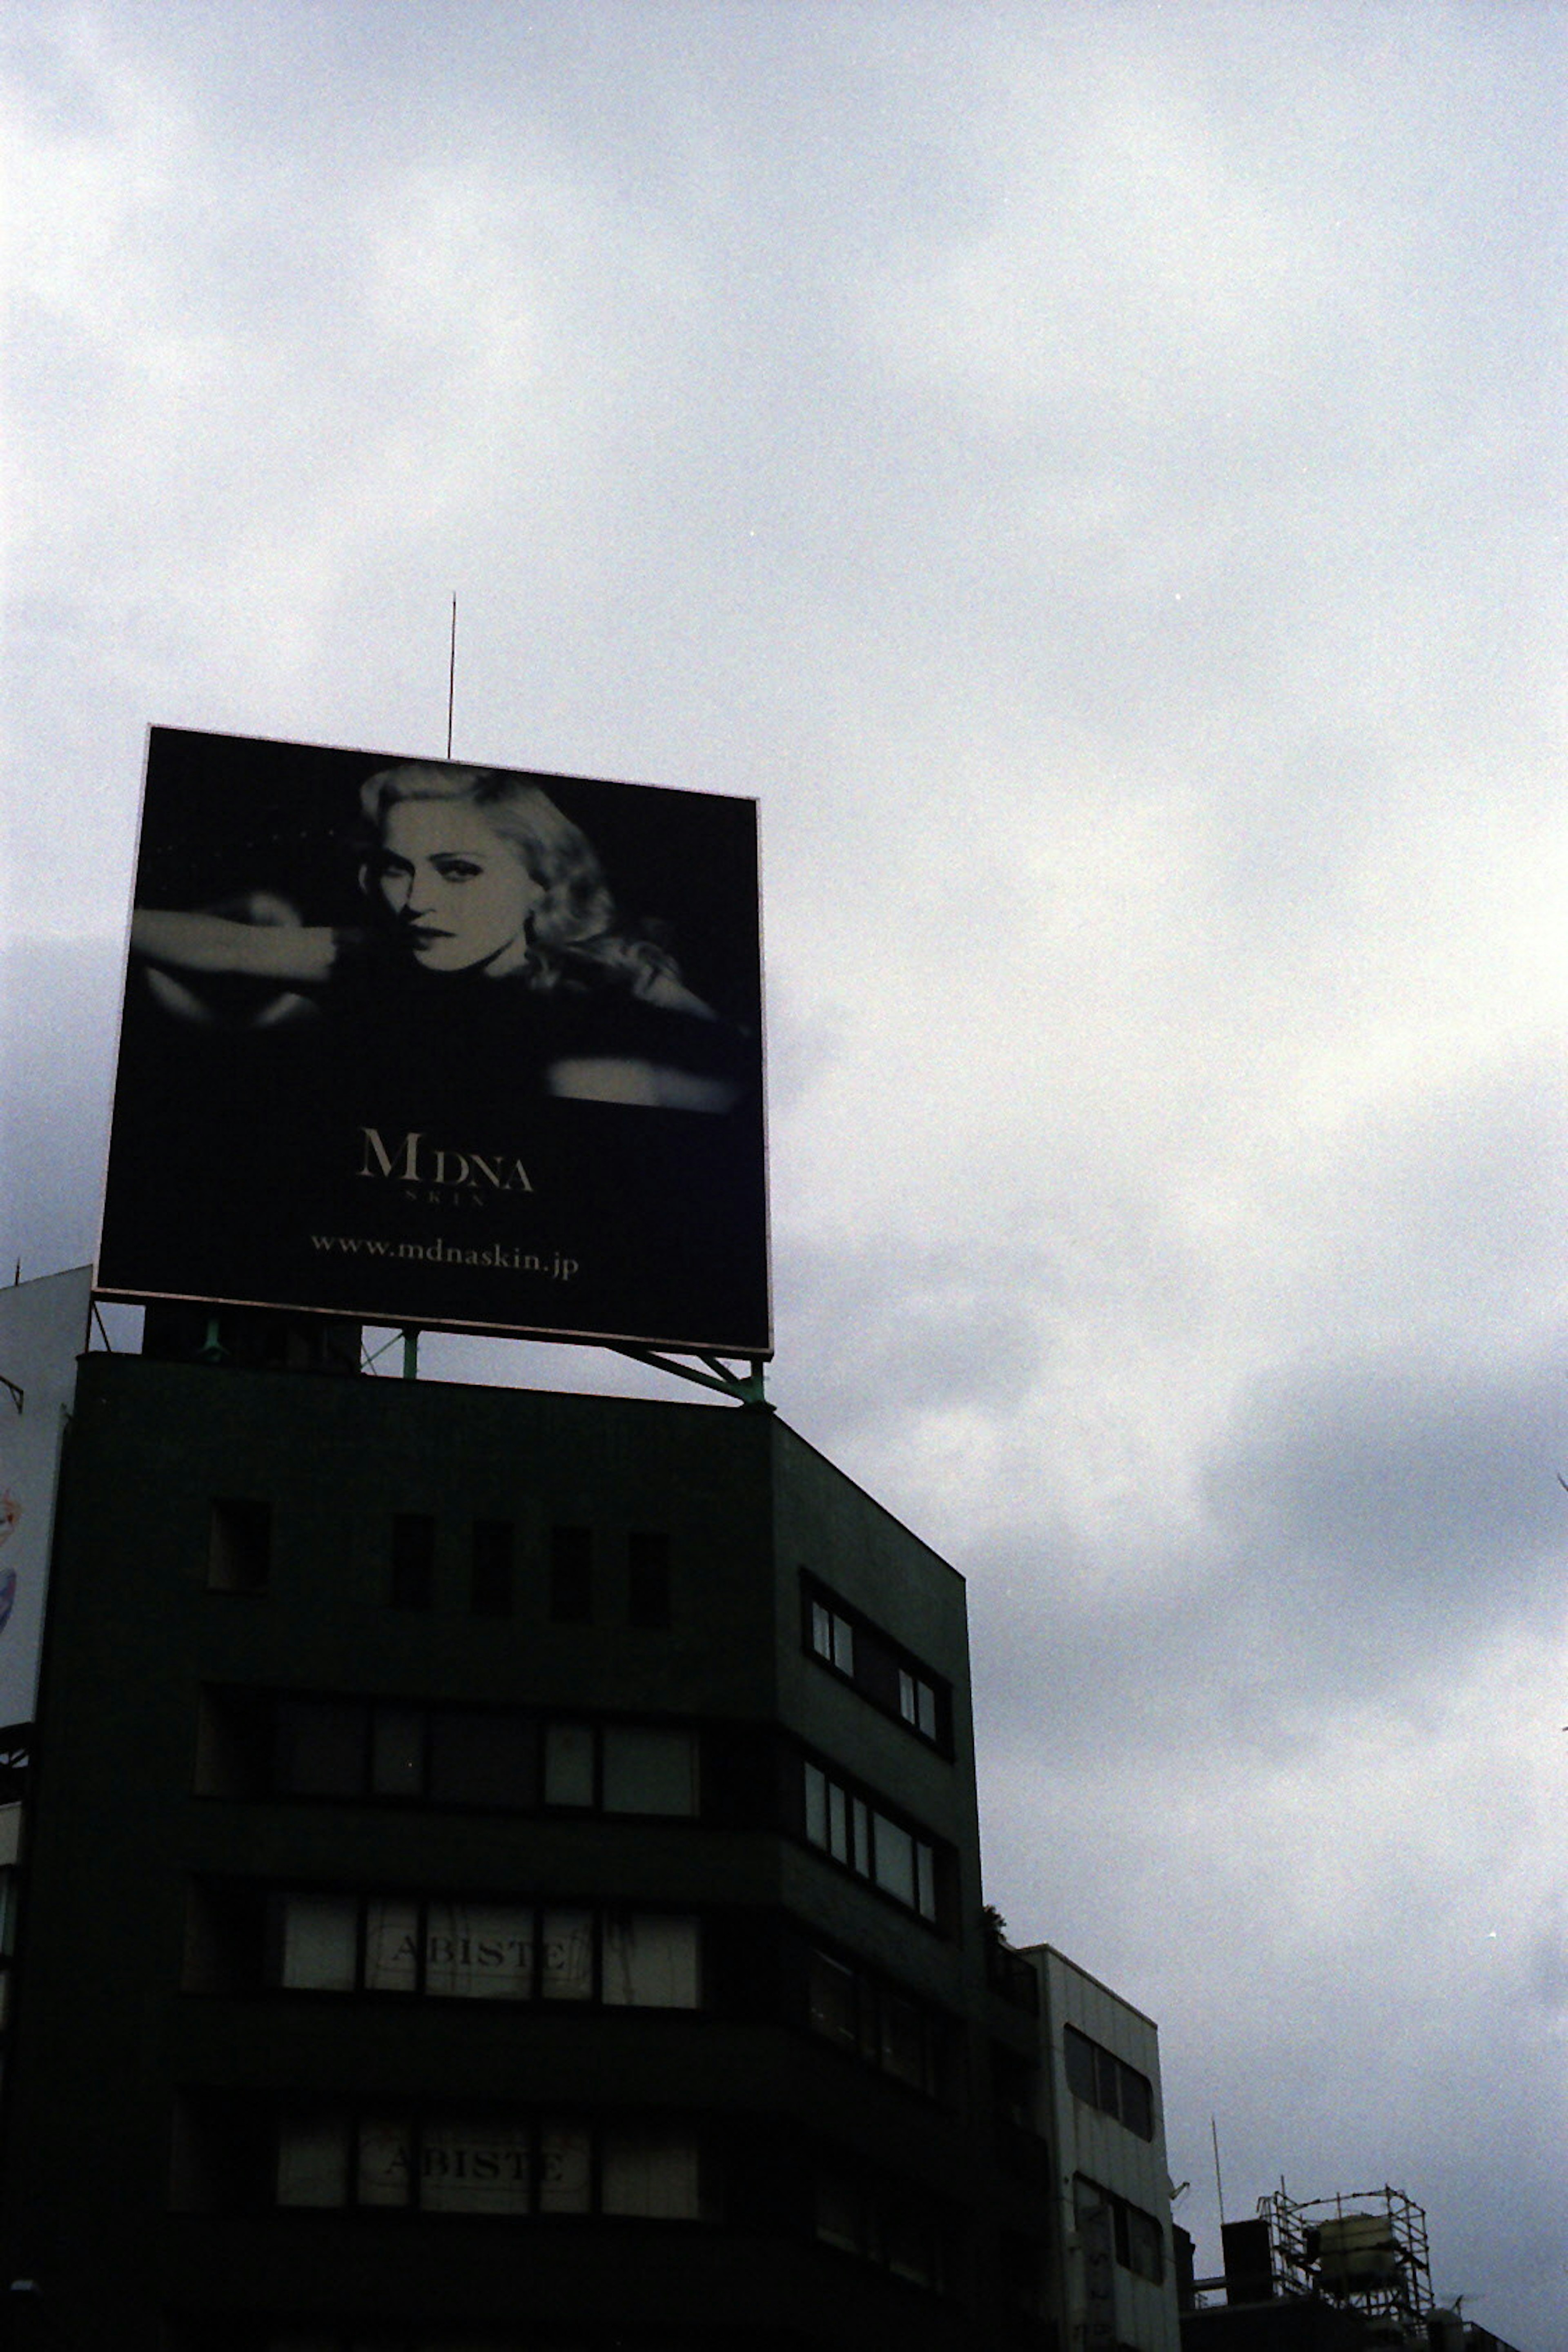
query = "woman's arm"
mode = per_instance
[{"x": 289, "y": 955}]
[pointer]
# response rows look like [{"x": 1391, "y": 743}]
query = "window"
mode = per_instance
[
  {"x": 890, "y": 1677},
  {"x": 321, "y": 1747},
  {"x": 443, "y": 1947},
  {"x": 572, "y": 1576},
  {"x": 833, "y": 1637},
  {"x": 1104, "y": 2081},
  {"x": 259, "y": 1743},
  {"x": 648, "y": 1580},
  {"x": 500, "y": 2163},
  {"x": 883, "y": 2222},
  {"x": 917, "y": 1701},
  {"x": 862, "y": 2014},
  {"x": 482, "y": 1760},
  {"x": 1137, "y": 2236},
  {"x": 648, "y": 1771},
  {"x": 412, "y": 1560},
  {"x": 239, "y": 1547},
  {"x": 849, "y": 1828},
  {"x": 489, "y": 1583}
]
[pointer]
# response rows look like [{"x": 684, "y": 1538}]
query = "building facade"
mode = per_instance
[
  {"x": 1100, "y": 2077},
  {"x": 500, "y": 1874}
]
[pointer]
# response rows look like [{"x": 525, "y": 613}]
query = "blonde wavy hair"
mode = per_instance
[{"x": 575, "y": 935}]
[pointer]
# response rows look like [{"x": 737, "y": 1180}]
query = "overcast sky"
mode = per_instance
[{"x": 1093, "y": 473}]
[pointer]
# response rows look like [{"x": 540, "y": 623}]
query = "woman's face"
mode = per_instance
[{"x": 462, "y": 895}]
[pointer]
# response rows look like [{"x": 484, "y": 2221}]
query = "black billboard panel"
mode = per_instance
[{"x": 418, "y": 1042}]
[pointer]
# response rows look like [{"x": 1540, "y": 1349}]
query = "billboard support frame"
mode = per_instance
[{"x": 743, "y": 1388}]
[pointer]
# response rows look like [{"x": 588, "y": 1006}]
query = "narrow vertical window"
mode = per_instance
[
  {"x": 648, "y": 1578},
  {"x": 412, "y": 1560},
  {"x": 572, "y": 1576},
  {"x": 490, "y": 1586},
  {"x": 239, "y": 1547},
  {"x": 398, "y": 1751},
  {"x": 569, "y": 1764}
]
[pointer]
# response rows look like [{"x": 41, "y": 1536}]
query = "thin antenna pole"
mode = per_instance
[
  {"x": 451, "y": 677},
  {"x": 1219, "y": 2185}
]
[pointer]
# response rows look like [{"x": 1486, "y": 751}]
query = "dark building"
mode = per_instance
[{"x": 501, "y": 1874}]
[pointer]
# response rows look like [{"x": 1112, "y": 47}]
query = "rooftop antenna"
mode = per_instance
[
  {"x": 451, "y": 676},
  {"x": 1219, "y": 2185}
]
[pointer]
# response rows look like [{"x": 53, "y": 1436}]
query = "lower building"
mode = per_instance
[
  {"x": 1099, "y": 2076},
  {"x": 500, "y": 1872}
]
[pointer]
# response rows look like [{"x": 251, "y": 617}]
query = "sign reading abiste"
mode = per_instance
[{"x": 424, "y": 1043}]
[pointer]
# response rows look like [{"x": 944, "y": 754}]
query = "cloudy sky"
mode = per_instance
[{"x": 1093, "y": 473}]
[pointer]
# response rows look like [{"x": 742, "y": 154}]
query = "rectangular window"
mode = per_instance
[
  {"x": 815, "y": 1805},
  {"x": 1136, "y": 2237},
  {"x": 566, "y": 1955},
  {"x": 320, "y": 1943},
  {"x": 412, "y": 1560},
  {"x": 569, "y": 1764},
  {"x": 490, "y": 1586},
  {"x": 884, "y": 1673},
  {"x": 844, "y": 1825},
  {"x": 648, "y": 1578},
  {"x": 572, "y": 1576},
  {"x": 1078, "y": 2053},
  {"x": 398, "y": 1751},
  {"x": 925, "y": 1879},
  {"x": 650, "y": 1771},
  {"x": 480, "y": 1951},
  {"x": 856, "y": 2009},
  {"x": 239, "y": 1547},
  {"x": 482, "y": 1760},
  {"x": 1106, "y": 2082},
  {"x": 392, "y": 1945},
  {"x": 834, "y": 2008},
  {"x": 502, "y": 2164},
  {"x": 475, "y": 2167},
  {"x": 321, "y": 1747},
  {"x": 650, "y": 2171},
  {"x": 876, "y": 2218},
  {"x": 904, "y": 2052},
  {"x": 313, "y": 2160},
  {"x": 895, "y": 1862},
  {"x": 383, "y": 2170},
  {"x": 565, "y": 2168},
  {"x": 650, "y": 1961}
]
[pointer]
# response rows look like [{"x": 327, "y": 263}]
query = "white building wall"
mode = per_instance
[{"x": 1123, "y": 2310}]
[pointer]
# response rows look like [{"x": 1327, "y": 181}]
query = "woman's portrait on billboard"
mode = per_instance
[{"x": 482, "y": 904}]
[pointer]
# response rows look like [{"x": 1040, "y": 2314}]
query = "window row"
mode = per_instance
[
  {"x": 253, "y": 1744},
  {"x": 846, "y": 1825},
  {"x": 858, "y": 2012},
  {"x": 886, "y": 2224},
  {"x": 504, "y": 2166},
  {"x": 1103, "y": 2080},
  {"x": 443, "y": 1949},
  {"x": 633, "y": 1586},
  {"x": 1137, "y": 2239},
  {"x": 889, "y": 1677}
]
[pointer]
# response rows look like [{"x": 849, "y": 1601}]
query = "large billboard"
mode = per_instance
[{"x": 424, "y": 1043}]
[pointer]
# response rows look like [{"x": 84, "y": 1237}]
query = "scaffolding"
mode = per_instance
[{"x": 1365, "y": 2248}]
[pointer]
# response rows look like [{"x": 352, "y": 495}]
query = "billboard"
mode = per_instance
[
  {"x": 418, "y": 1042},
  {"x": 43, "y": 1330}
]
